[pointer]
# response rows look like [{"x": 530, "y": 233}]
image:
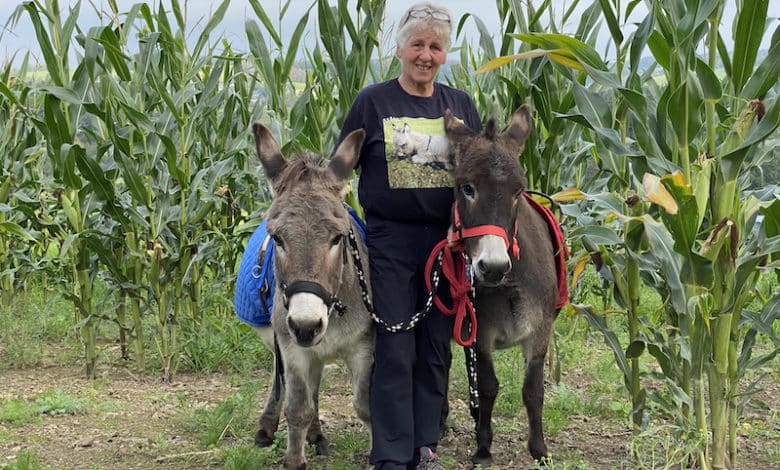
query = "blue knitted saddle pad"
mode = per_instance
[{"x": 255, "y": 280}]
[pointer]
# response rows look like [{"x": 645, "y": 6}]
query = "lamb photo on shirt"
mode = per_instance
[{"x": 418, "y": 153}]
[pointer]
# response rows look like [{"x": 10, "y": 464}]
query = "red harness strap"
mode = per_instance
[{"x": 559, "y": 246}]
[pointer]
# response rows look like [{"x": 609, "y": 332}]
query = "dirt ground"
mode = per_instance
[{"x": 138, "y": 429}]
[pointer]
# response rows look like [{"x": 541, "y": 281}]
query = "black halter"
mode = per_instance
[{"x": 330, "y": 300}]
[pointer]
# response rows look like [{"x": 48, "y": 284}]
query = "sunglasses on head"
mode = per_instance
[{"x": 422, "y": 13}]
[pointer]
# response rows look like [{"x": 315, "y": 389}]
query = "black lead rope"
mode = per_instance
[
  {"x": 470, "y": 351},
  {"x": 401, "y": 326},
  {"x": 541, "y": 194}
]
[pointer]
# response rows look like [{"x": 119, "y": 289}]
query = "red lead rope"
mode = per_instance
[
  {"x": 460, "y": 286},
  {"x": 455, "y": 272}
]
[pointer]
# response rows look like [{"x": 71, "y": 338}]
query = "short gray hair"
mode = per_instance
[{"x": 409, "y": 23}]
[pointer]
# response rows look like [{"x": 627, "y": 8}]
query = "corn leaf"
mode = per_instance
[{"x": 749, "y": 31}]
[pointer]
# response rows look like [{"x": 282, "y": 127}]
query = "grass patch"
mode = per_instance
[
  {"x": 665, "y": 447},
  {"x": 567, "y": 461},
  {"x": 562, "y": 402},
  {"x": 18, "y": 411},
  {"x": 222, "y": 344},
  {"x": 28, "y": 324},
  {"x": 509, "y": 363},
  {"x": 25, "y": 460},
  {"x": 234, "y": 418},
  {"x": 250, "y": 457}
]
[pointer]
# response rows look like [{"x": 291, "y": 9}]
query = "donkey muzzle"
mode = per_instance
[
  {"x": 491, "y": 260},
  {"x": 307, "y": 317}
]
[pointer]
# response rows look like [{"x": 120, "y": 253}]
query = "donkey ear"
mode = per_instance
[
  {"x": 518, "y": 129},
  {"x": 268, "y": 152},
  {"x": 455, "y": 129},
  {"x": 346, "y": 155}
]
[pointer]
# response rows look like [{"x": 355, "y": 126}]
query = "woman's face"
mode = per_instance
[{"x": 421, "y": 57}]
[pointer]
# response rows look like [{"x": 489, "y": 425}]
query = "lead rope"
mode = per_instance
[
  {"x": 435, "y": 270},
  {"x": 471, "y": 371},
  {"x": 401, "y": 326}
]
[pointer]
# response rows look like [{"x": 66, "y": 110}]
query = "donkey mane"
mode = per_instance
[{"x": 305, "y": 169}]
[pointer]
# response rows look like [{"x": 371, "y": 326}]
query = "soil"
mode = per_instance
[{"x": 138, "y": 427}]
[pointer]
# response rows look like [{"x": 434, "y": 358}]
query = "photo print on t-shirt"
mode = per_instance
[{"x": 418, "y": 153}]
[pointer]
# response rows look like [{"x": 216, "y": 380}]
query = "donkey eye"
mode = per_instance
[
  {"x": 278, "y": 241},
  {"x": 336, "y": 240},
  {"x": 467, "y": 190}
]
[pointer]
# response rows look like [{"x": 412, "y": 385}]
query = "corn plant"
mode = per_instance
[
  {"x": 692, "y": 232},
  {"x": 18, "y": 209},
  {"x": 147, "y": 150}
]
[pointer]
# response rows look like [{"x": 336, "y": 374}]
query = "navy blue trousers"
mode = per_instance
[{"x": 409, "y": 380}]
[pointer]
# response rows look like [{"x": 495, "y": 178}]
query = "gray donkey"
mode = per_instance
[
  {"x": 319, "y": 312},
  {"x": 515, "y": 266}
]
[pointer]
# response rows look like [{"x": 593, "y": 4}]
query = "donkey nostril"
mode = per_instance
[
  {"x": 482, "y": 266},
  {"x": 507, "y": 268}
]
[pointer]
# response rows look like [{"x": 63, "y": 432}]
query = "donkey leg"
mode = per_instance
[
  {"x": 533, "y": 398},
  {"x": 314, "y": 435},
  {"x": 269, "y": 419},
  {"x": 359, "y": 364},
  {"x": 488, "y": 391},
  {"x": 299, "y": 410}
]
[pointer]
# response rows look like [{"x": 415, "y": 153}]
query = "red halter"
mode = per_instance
[
  {"x": 455, "y": 271},
  {"x": 458, "y": 233}
]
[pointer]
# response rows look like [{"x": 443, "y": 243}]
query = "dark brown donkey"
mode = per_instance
[
  {"x": 514, "y": 268},
  {"x": 319, "y": 314}
]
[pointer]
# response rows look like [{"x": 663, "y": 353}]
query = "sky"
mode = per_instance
[{"x": 22, "y": 37}]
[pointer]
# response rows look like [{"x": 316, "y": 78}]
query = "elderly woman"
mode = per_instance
[{"x": 406, "y": 193}]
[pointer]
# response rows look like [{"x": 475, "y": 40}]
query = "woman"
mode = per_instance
[{"x": 406, "y": 193}]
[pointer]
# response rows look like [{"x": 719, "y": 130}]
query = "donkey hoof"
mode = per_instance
[
  {"x": 321, "y": 446},
  {"x": 482, "y": 459},
  {"x": 262, "y": 439},
  {"x": 291, "y": 466},
  {"x": 542, "y": 461},
  {"x": 539, "y": 453}
]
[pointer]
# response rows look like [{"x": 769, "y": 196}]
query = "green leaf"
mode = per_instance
[
  {"x": 295, "y": 39},
  {"x": 640, "y": 40},
  {"x": 660, "y": 49},
  {"x": 596, "y": 234},
  {"x": 593, "y": 107},
  {"x": 215, "y": 18},
  {"x": 133, "y": 179},
  {"x": 91, "y": 171},
  {"x": 635, "y": 349},
  {"x": 765, "y": 76},
  {"x": 15, "y": 230},
  {"x": 50, "y": 57},
  {"x": 599, "y": 322},
  {"x": 662, "y": 247},
  {"x": 583, "y": 52},
  {"x": 683, "y": 224},
  {"x": 751, "y": 19},
  {"x": 612, "y": 22},
  {"x": 710, "y": 85}
]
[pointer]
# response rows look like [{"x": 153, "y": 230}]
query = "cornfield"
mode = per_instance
[{"x": 128, "y": 181}]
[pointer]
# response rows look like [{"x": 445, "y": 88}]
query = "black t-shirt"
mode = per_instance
[{"x": 404, "y": 163}]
